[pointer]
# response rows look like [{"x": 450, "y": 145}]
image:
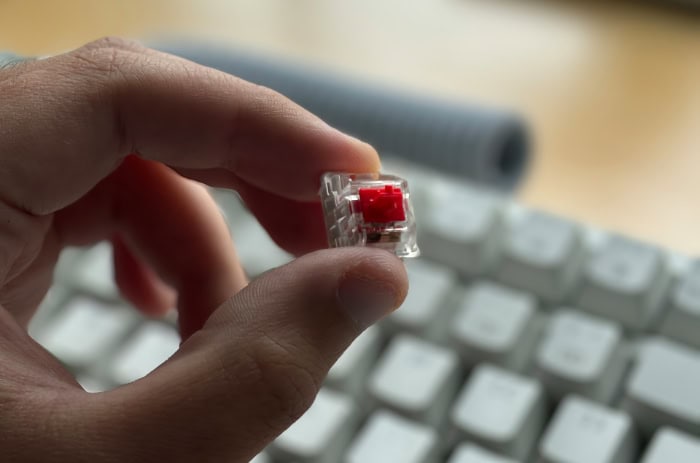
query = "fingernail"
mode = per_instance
[{"x": 365, "y": 301}]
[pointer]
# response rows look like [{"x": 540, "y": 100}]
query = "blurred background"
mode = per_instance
[{"x": 610, "y": 90}]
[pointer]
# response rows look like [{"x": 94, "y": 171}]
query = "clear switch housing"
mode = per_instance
[{"x": 369, "y": 210}]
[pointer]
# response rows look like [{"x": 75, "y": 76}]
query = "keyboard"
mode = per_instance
[{"x": 525, "y": 337}]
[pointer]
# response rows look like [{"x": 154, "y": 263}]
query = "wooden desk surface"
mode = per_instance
[{"x": 612, "y": 92}]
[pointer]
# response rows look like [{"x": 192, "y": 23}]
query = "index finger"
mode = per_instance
[{"x": 71, "y": 119}]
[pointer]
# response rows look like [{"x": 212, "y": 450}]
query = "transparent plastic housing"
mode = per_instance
[{"x": 369, "y": 210}]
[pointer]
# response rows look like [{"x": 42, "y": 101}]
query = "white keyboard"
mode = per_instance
[{"x": 525, "y": 337}]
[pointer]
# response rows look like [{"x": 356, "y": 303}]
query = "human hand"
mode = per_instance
[{"x": 253, "y": 355}]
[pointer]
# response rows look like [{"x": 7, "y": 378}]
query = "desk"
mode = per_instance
[{"x": 612, "y": 91}]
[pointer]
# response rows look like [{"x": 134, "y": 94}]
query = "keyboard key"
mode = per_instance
[
  {"x": 390, "y": 438},
  {"x": 321, "y": 434},
  {"x": 54, "y": 299},
  {"x": 152, "y": 345},
  {"x": 93, "y": 272},
  {"x": 672, "y": 446},
  {"x": 541, "y": 254},
  {"x": 416, "y": 378},
  {"x": 582, "y": 431},
  {"x": 460, "y": 227},
  {"x": 470, "y": 453},
  {"x": 85, "y": 330},
  {"x": 624, "y": 281},
  {"x": 682, "y": 320},
  {"x": 256, "y": 250},
  {"x": 663, "y": 388},
  {"x": 349, "y": 372},
  {"x": 424, "y": 310},
  {"x": 500, "y": 410},
  {"x": 495, "y": 324},
  {"x": 581, "y": 354}
]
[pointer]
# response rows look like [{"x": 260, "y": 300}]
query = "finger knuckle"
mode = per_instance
[{"x": 106, "y": 55}]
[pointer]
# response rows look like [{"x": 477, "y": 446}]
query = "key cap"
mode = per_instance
[
  {"x": 541, "y": 255},
  {"x": 49, "y": 308},
  {"x": 415, "y": 378},
  {"x": 460, "y": 227},
  {"x": 500, "y": 410},
  {"x": 672, "y": 446},
  {"x": 624, "y": 281},
  {"x": 582, "y": 431},
  {"x": 470, "y": 453},
  {"x": 389, "y": 438},
  {"x": 93, "y": 272},
  {"x": 495, "y": 324},
  {"x": 150, "y": 346},
  {"x": 424, "y": 312},
  {"x": 349, "y": 372},
  {"x": 682, "y": 320},
  {"x": 663, "y": 387},
  {"x": 321, "y": 434},
  {"x": 256, "y": 250},
  {"x": 85, "y": 330},
  {"x": 581, "y": 354}
]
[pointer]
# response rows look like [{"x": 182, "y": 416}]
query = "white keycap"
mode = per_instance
[
  {"x": 500, "y": 410},
  {"x": 150, "y": 346},
  {"x": 582, "y": 431},
  {"x": 460, "y": 227},
  {"x": 470, "y": 453},
  {"x": 682, "y": 321},
  {"x": 256, "y": 250},
  {"x": 581, "y": 354},
  {"x": 94, "y": 272},
  {"x": 663, "y": 388},
  {"x": 495, "y": 324},
  {"x": 231, "y": 206},
  {"x": 389, "y": 438},
  {"x": 85, "y": 330},
  {"x": 424, "y": 312},
  {"x": 416, "y": 378},
  {"x": 321, "y": 434},
  {"x": 624, "y": 281},
  {"x": 541, "y": 255},
  {"x": 348, "y": 374},
  {"x": 49, "y": 307},
  {"x": 672, "y": 446},
  {"x": 261, "y": 458}
]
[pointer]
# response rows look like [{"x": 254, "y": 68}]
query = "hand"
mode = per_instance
[{"x": 253, "y": 354}]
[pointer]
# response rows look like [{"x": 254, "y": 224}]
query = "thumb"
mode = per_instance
[{"x": 254, "y": 367}]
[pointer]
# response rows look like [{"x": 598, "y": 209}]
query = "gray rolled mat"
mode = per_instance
[{"x": 483, "y": 144}]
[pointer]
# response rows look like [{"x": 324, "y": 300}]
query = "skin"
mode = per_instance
[{"x": 105, "y": 142}]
